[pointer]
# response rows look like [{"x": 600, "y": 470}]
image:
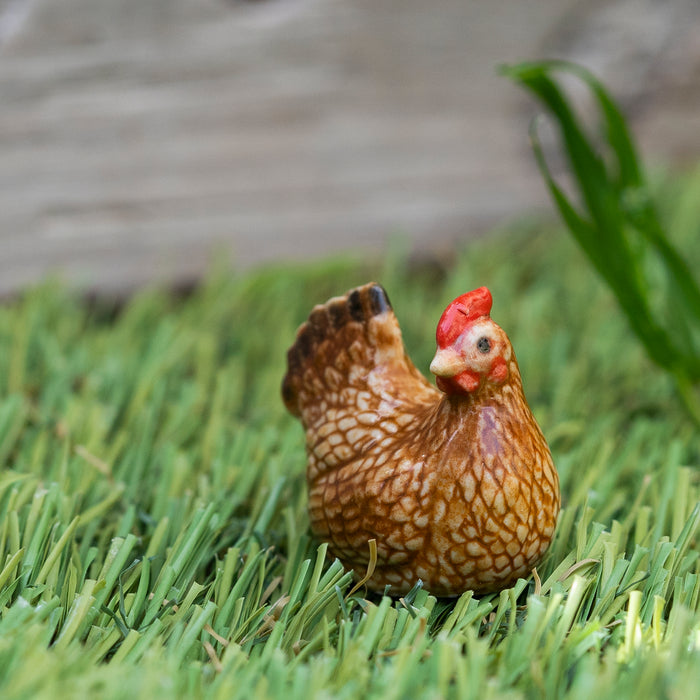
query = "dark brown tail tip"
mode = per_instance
[
  {"x": 378, "y": 299},
  {"x": 354, "y": 304},
  {"x": 289, "y": 396},
  {"x": 358, "y": 305},
  {"x": 365, "y": 302}
]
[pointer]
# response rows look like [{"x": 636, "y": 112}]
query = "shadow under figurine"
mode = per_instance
[{"x": 456, "y": 484}]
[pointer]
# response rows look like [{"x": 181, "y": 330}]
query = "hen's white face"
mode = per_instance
[
  {"x": 480, "y": 344},
  {"x": 480, "y": 352}
]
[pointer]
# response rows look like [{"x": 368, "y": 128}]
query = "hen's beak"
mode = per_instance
[{"x": 447, "y": 363}]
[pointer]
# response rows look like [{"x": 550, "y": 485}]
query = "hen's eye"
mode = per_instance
[{"x": 484, "y": 345}]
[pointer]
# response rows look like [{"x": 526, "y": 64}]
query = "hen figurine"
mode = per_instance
[{"x": 455, "y": 484}]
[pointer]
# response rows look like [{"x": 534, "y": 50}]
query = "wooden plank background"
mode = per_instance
[{"x": 138, "y": 138}]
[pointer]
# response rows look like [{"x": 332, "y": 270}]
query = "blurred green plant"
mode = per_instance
[{"x": 618, "y": 227}]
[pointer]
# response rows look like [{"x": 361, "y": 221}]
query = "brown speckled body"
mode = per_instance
[{"x": 458, "y": 491}]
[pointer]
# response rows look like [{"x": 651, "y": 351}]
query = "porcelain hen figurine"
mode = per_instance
[{"x": 456, "y": 485}]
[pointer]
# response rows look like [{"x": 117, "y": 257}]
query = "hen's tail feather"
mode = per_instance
[{"x": 358, "y": 305}]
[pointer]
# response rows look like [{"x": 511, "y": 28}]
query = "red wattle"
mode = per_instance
[
  {"x": 499, "y": 371},
  {"x": 463, "y": 383}
]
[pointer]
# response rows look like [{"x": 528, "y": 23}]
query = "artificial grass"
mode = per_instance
[{"x": 153, "y": 535}]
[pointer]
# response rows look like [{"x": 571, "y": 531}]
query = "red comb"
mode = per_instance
[{"x": 462, "y": 311}]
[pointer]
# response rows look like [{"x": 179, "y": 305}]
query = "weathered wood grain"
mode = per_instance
[{"x": 138, "y": 138}]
